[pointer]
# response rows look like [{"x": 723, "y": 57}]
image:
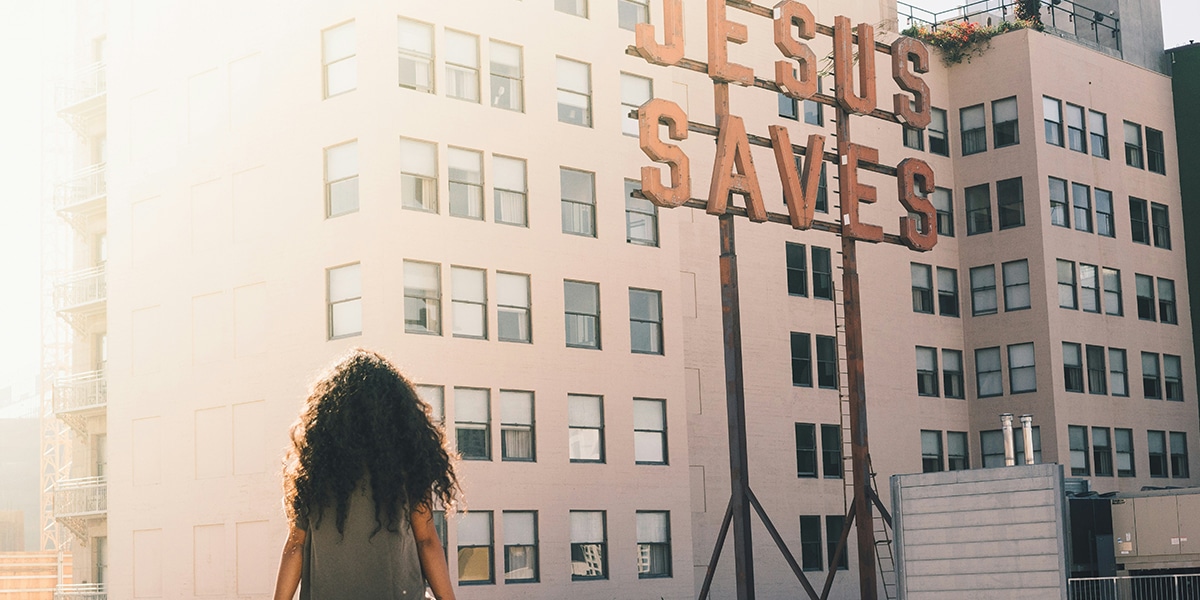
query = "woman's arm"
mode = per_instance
[
  {"x": 290, "y": 564},
  {"x": 429, "y": 548}
]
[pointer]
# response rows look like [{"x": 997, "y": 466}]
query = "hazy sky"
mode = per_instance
[{"x": 22, "y": 42}]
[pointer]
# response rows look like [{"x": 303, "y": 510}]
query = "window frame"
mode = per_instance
[
  {"x": 1053, "y": 126},
  {"x": 603, "y": 548},
  {"x": 1009, "y": 303},
  {"x": 535, "y": 546},
  {"x": 1013, "y": 370},
  {"x": 593, "y": 319},
  {"x": 979, "y": 209},
  {"x": 331, "y": 302},
  {"x": 927, "y": 379},
  {"x": 637, "y": 323},
  {"x": 1098, "y": 139},
  {"x": 1166, "y": 301},
  {"x": 933, "y": 459},
  {"x": 640, "y": 209},
  {"x": 1118, "y": 373},
  {"x": 1079, "y": 433},
  {"x": 1081, "y": 206},
  {"x": 1073, "y": 131},
  {"x": 485, "y": 426},
  {"x": 829, "y": 361},
  {"x": 327, "y": 61},
  {"x": 646, "y": 548},
  {"x": 339, "y": 182},
  {"x": 1160, "y": 459},
  {"x": 1011, "y": 127},
  {"x": 576, "y": 207},
  {"x": 1156, "y": 158},
  {"x": 466, "y": 71},
  {"x": 942, "y": 134},
  {"x": 490, "y": 547},
  {"x": 822, "y": 273},
  {"x": 428, "y": 182},
  {"x": 503, "y": 306},
  {"x": 1102, "y": 452},
  {"x": 997, "y": 373},
  {"x": 953, "y": 380},
  {"x": 945, "y": 212},
  {"x": 1139, "y": 221},
  {"x": 1010, "y": 203},
  {"x": 1179, "y": 459},
  {"x": 415, "y": 56},
  {"x": 796, "y": 262},
  {"x": 1097, "y": 370},
  {"x": 1123, "y": 447},
  {"x": 974, "y": 139},
  {"x": 922, "y": 297},
  {"x": 802, "y": 364},
  {"x": 458, "y": 302},
  {"x": 432, "y": 298},
  {"x": 1073, "y": 373},
  {"x": 643, "y": 429},
  {"x": 500, "y": 80},
  {"x": 585, "y": 119},
  {"x": 530, "y": 427},
  {"x": 985, "y": 290},
  {"x": 1133, "y": 149},
  {"x": 627, "y": 106},
  {"x": 501, "y": 192},
  {"x": 1160, "y": 228},
  {"x": 601, "y": 457},
  {"x": 947, "y": 299},
  {"x": 831, "y": 451},
  {"x": 1106, "y": 224},
  {"x": 1151, "y": 378},
  {"x": 1064, "y": 268},
  {"x": 807, "y": 454}
]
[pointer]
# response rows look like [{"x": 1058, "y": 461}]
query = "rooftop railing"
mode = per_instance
[
  {"x": 1065, "y": 17},
  {"x": 83, "y": 497},
  {"x": 80, "y": 392}
]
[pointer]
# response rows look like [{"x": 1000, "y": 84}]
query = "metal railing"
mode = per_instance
[
  {"x": 81, "y": 591},
  {"x": 80, "y": 289},
  {"x": 80, "y": 392},
  {"x": 1150, "y": 587},
  {"x": 88, "y": 184},
  {"x": 1067, "y": 17},
  {"x": 87, "y": 496},
  {"x": 90, "y": 82}
]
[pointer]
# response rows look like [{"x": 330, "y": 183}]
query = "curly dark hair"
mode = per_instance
[{"x": 364, "y": 419}]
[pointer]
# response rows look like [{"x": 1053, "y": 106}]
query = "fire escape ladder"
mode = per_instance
[
  {"x": 883, "y": 549},
  {"x": 839, "y": 322}
]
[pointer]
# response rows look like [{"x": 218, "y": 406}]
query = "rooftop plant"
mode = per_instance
[{"x": 959, "y": 40}]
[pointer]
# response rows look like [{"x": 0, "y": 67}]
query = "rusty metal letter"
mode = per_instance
[
  {"x": 803, "y": 83},
  {"x": 852, "y": 192},
  {"x": 843, "y": 66},
  {"x": 905, "y": 50},
  {"x": 733, "y": 152},
  {"x": 670, "y": 51},
  {"x": 910, "y": 173},
  {"x": 799, "y": 190},
  {"x": 650, "y": 115},
  {"x": 720, "y": 31}
]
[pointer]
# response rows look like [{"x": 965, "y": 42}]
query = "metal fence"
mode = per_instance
[
  {"x": 82, "y": 186},
  {"x": 80, "y": 288},
  {"x": 80, "y": 497},
  {"x": 1151, "y": 587},
  {"x": 89, "y": 82},
  {"x": 80, "y": 591},
  {"x": 80, "y": 392},
  {"x": 1067, "y": 17}
]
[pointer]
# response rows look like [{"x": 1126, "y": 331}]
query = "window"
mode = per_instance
[
  {"x": 1151, "y": 378},
  {"x": 939, "y": 139},
  {"x": 1098, "y": 133},
  {"x": 983, "y": 290},
  {"x": 1089, "y": 288},
  {"x": 943, "y": 202},
  {"x": 927, "y": 371},
  {"x": 649, "y": 431},
  {"x": 582, "y": 309},
  {"x": 508, "y": 76},
  {"x": 466, "y": 183},
  {"x": 1073, "y": 367},
  {"x": 988, "y": 379},
  {"x": 801, "y": 360},
  {"x": 468, "y": 302},
  {"x": 475, "y": 548},
  {"x": 434, "y": 396},
  {"x": 822, "y": 273},
  {"x": 512, "y": 307},
  {"x": 797, "y": 269},
  {"x": 1066, "y": 285},
  {"x": 516, "y": 426},
  {"x": 578, "y": 8},
  {"x": 341, "y": 179},
  {"x": 979, "y": 209},
  {"x": 1019, "y": 445},
  {"x": 922, "y": 288},
  {"x": 1112, "y": 292},
  {"x": 814, "y": 112},
  {"x": 913, "y": 138},
  {"x": 1004, "y": 122},
  {"x": 822, "y": 203},
  {"x": 1010, "y": 203},
  {"x": 1081, "y": 199},
  {"x": 974, "y": 131},
  {"x": 827, "y": 374},
  {"x": 952, "y": 373},
  {"x": 1172, "y": 378},
  {"x": 645, "y": 321},
  {"x": 641, "y": 217},
  {"x": 991, "y": 448},
  {"x": 1161, "y": 221},
  {"x": 472, "y": 423},
  {"x": 956, "y": 451},
  {"x": 338, "y": 60},
  {"x": 1105, "y": 225},
  {"x": 416, "y": 55},
  {"x": 1052, "y": 111},
  {"x": 589, "y": 544},
  {"x": 344, "y": 286},
  {"x": 1156, "y": 443},
  {"x": 422, "y": 297},
  {"x": 789, "y": 108},
  {"x": 1102, "y": 452},
  {"x": 1059, "y": 215},
  {"x": 635, "y": 91},
  {"x": 806, "y": 450},
  {"x": 574, "y": 91},
  {"x": 1097, "y": 375},
  {"x": 1022, "y": 374},
  {"x": 418, "y": 175},
  {"x": 1133, "y": 144},
  {"x": 654, "y": 544},
  {"x": 585, "y": 419},
  {"x": 1139, "y": 221},
  {"x": 1124, "y": 444},
  {"x": 1179, "y": 457},
  {"x": 1144, "y": 285},
  {"x": 834, "y": 524},
  {"x": 1118, "y": 376},
  {"x": 1016, "y": 284},
  {"x": 810, "y": 543},
  {"x": 1076, "y": 132},
  {"x": 1166, "y": 301},
  {"x": 578, "y": 189},
  {"x": 947, "y": 292},
  {"x": 932, "y": 460},
  {"x": 1079, "y": 450},
  {"x": 509, "y": 191},
  {"x": 520, "y": 546},
  {"x": 462, "y": 66},
  {"x": 831, "y": 451},
  {"x": 1156, "y": 160}
]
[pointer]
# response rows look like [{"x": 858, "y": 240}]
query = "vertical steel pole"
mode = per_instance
[{"x": 856, "y": 390}]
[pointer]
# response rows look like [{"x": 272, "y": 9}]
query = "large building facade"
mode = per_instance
[{"x": 451, "y": 184}]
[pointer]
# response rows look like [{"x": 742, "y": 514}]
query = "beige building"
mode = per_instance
[{"x": 448, "y": 183}]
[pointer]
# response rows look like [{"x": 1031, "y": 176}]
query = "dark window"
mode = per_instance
[
  {"x": 788, "y": 107},
  {"x": 1166, "y": 301},
  {"x": 952, "y": 373},
  {"x": 473, "y": 423},
  {"x": 1139, "y": 221},
  {"x": 1161, "y": 220},
  {"x": 814, "y": 112},
  {"x": 831, "y": 451},
  {"x": 927, "y": 371},
  {"x": 1144, "y": 284},
  {"x": 1019, "y": 445},
  {"x": 806, "y": 450},
  {"x": 983, "y": 290},
  {"x": 974, "y": 130},
  {"x": 1005, "y": 127},
  {"x": 914, "y": 138},
  {"x": 801, "y": 360},
  {"x": 1076, "y": 133},
  {"x": 1156, "y": 444},
  {"x": 1102, "y": 452},
  {"x": 1066, "y": 285},
  {"x": 939, "y": 138},
  {"x": 1172, "y": 378},
  {"x": 1105, "y": 225},
  {"x": 654, "y": 544},
  {"x": 1081, "y": 199},
  {"x": 1133, "y": 144},
  {"x": 943, "y": 202},
  {"x": 979, "y": 209},
  {"x": 1151, "y": 377},
  {"x": 1059, "y": 215},
  {"x": 1179, "y": 455},
  {"x": 957, "y": 457},
  {"x": 1124, "y": 444},
  {"x": 989, "y": 380},
  {"x": 827, "y": 374},
  {"x": 1010, "y": 203},
  {"x": 822, "y": 274},
  {"x": 922, "y": 288},
  {"x": 1098, "y": 133},
  {"x": 1156, "y": 160},
  {"x": 520, "y": 546},
  {"x": 991, "y": 448},
  {"x": 1097, "y": 374},
  {"x": 833, "y": 534},
  {"x": 932, "y": 458},
  {"x": 797, "y": 270},
  {"x": 589, "y": 545},
  {"x": 1079, "y": 450},
  {"x": 810, "y": 543},
  {"x": 1072, "y": 367},
  {"x": 822, "y": 203},
  {"x": 1052, "y": 113},
  {"x": 947, "y": 281}
]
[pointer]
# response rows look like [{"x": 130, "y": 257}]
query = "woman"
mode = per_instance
[{"x": 365, "y": 465}]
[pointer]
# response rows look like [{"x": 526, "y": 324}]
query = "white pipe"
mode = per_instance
[
  {"x": 1007, "y": 429},
  {"x": 1027, "y": 430}
]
